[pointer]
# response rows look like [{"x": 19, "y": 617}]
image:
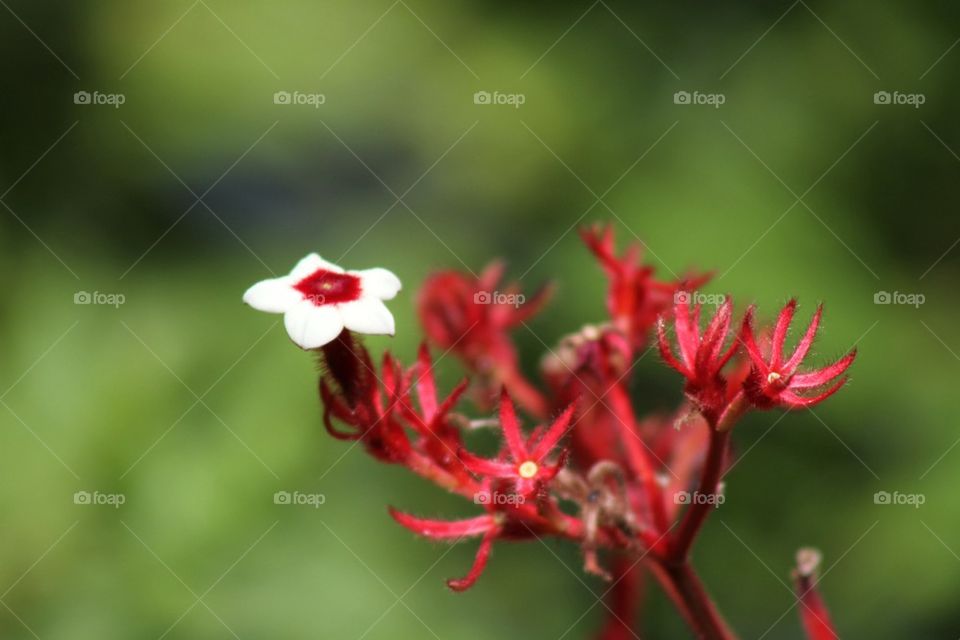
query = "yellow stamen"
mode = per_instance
[
  {"x": 772, "y": 377},
  {"x": 528, "y": 469}
]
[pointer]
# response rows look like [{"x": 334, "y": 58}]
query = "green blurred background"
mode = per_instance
[{"x": 197, "y": 409}]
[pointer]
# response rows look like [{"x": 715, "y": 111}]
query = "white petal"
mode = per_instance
[
  {"x": 367, "y": 315},
  {"x": 310, "y": 264},
  {"x": 378, "y": 282},
  {"x": 311, "y": 326},
  {"x": 273, "y": 296}
]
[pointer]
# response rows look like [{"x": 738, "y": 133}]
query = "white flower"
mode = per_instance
[{"x": 319, "y": 299}]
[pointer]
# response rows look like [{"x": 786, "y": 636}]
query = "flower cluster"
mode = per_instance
[{"x": 632, "y": 491}]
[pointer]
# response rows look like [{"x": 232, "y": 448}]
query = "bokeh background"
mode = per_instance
[{"x": 197, "y": 410}]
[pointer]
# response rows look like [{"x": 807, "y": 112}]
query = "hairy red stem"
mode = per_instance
[
  {"x": 700, "y": 505},
  {"x": 686, "y": 590},
  {"x": 638, "y": 455},
  {"x": 813, "y": 611}
]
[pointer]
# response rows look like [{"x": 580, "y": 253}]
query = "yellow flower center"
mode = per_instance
[
  {"x": 772, "y": 377},
  {"x": 528, "y": 469}
]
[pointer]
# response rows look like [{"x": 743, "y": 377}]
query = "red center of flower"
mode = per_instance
[{"x": 328, "y": 287}]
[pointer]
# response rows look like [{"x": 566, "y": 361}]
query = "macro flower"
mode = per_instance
[
  {"x": 527, "y": 466},
  {"x": 591, "y": 363},
  {"x": 318, "y": 300},
  {"x": 774, "y": 381},
  {"x": 635, "y": 298},
  {"x": 702, "y": 357},
  {"x": 623, "y": 487},
  {"x": 472, "y": 316}
]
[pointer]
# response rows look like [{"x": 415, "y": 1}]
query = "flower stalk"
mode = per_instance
[
  {"x": 700, "y": 509},
  {"x": 685, "y": 589}
]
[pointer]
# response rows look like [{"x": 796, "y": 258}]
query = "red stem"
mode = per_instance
[
  {"x": 426, "y": 468},
  {"x": 701, "y": 506},
  {"x": 623, "y": 599},
  {"x": 674, "y": 572},
  {"x": 686, "y": 590},
  {"x": 813, "y": 611},
  {"x": 638, "y": 455}
]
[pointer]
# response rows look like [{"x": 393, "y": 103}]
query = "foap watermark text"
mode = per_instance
[
  {"x": 497, "y": 498},
  {"x": 99, "y": 298},
  {"x": 898, "y": 98},
  {"x": 686, "y": 497},
  {"x": 499, "y": 98},
  {"x": 97, "y": 98},
  {"x": 298, "y": 498},
  {"x": 299, "y": 98},
  {"x": 695, "y": 297},
  {"x": 914, "y": 500},
  {"x": 499, "y": 297},
  {"x": 898, "y": 297},
  {"x": 714, "y": 100},
  {"x": 99, "y": 499}
]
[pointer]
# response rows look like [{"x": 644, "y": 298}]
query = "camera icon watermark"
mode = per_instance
[
  {"x": 897, "y": 98},
  {"x": 514, "y": 100},
  {"x": 299, "y": 98},
  {"x": 96, "y": 498},
  {"x": 99, "y": 298},
  {"x": 297, "y": 498},
  {"x": 914, "y": 500},
  {"x": 908, "y": 299},
  {"x": 715, "y": 100},
  {"x": 97, "y": 98},
  {"x": 498, "y": 297}
]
